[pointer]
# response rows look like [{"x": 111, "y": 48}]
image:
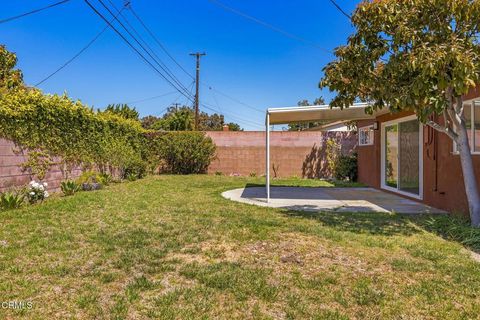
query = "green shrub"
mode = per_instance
[
  {"x": 333, "y": 152},
  {"x": 90, "y": 180},
  {"x": 346, "y": 168},
  {"x": 135, "y": 168},
  {"x": 105, "y": 178},
  {"x": 11, "y": 200},
  {"x": 89, "y": 177},
  {"x": 69, "y": 187},
  {"x": 184, "y": 152}
]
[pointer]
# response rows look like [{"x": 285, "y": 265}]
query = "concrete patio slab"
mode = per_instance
[{"x": 329, "y": 199}]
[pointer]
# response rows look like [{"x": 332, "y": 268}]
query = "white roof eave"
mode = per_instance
[{"x": 320, "y": 113}]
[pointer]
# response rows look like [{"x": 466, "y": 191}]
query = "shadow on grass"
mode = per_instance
[
  {"x": 389, "y": 224},
  {"x": 308, "y": 183},
  {"x": 373, "y": 223},
  {"x": 452, "y": 229}
]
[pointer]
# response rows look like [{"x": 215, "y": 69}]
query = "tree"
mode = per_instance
[
  {"x": 149, "y": 121},
  {"x": 122, "y": 110},
  {"x": 232, "y": 126},
  {"x": 182, "y": 119},
  {"x": 417, "y": 55},
  {"x": 176, "y": 120},
  {"x": 300, "y": 126},
  {"x": 10, "y": 78}
]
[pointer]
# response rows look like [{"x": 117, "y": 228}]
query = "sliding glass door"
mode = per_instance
[{"x": 401, "y": 154}]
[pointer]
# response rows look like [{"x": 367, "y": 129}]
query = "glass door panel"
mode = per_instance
[
  {"x": 409, "y": 152},
  {"x": 391, "y": 156}
]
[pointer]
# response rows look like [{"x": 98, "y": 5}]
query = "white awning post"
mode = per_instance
[{"x": 267, "y": 155}]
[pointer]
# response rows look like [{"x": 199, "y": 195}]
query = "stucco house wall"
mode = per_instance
[{"x": 443, "y": 186}]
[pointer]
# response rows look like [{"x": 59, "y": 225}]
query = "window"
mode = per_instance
[
  {"x": 472, "y": 119},
  {"x": 365, "y": 136}
]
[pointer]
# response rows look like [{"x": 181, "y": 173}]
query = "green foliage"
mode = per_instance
[
  {"x": 455, "y": 229},
  {"x": 11, "y": 200},
  {"x": 184, "y": 152},
  {"x": 69, "y": 187},
  {"x": 333, "y": 152},
  {"x": 55, "y": 126},
  {"x": 417, "y": 55},
  {"x": 232, "y": 126},
  {"x": 149, "y": 121},
  {"x": 105, "y": 178},
  {"x": 120, "y": 155},
  {"x": 408, "y": 55},
  {"x": 183, "y": 118},
  {"x": 37, "y": 165},
  {"x": 122, "y": 110},
  {"x": 10, "y": 78},
  {"x": 89, "y": 177},
  {"x": 131, "y": 176},
  {"x": 176, "y": 120},
  {"x": 346, "y": 168},
  {"x": 135, "y": 168}
]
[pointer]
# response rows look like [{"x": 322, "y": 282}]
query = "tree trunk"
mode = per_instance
[{"x": 471, "y": 187}]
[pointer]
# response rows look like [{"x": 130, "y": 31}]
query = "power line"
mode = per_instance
[
  {"x": 33, "y": 11},
  {"x": 157, "y": 61},
  {"x": 155, "y": 38},
  {"x": 76, "y": 55},
  {"x": 269, "y": 26},
  {"x": 341, "y": 10},
  {"x": 150, "y": 98},
  {"x": 234, "y": 117},
  {"x": 148, "y": 62},
  {"x": 183, "y": 91},
  {"x": 237, "y": 101}
]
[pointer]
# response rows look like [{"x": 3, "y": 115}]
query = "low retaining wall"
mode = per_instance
[{"x": 293, "y": 153}]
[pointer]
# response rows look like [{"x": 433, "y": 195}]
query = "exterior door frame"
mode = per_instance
[{"x": 420, "y": 160}]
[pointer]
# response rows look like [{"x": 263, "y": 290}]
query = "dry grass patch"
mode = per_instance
[{"x": 171, "y": 247}]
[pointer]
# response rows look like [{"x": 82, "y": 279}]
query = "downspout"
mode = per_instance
[{"x": 267, "y": 155}]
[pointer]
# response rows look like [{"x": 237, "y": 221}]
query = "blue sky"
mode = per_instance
[{"x": 245, "y": 60}]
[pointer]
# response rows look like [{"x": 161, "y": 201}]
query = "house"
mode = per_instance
[{"x": 398, "y": 154}]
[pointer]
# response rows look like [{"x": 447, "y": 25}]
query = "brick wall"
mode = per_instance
[
  {"x": 11, "y": 174},
  {"x": 295, "y": 153}
]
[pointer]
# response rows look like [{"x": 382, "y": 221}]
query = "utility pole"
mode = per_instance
[
  {"x": 176, "y": 105},
  {"x": 198, "y": 55}
]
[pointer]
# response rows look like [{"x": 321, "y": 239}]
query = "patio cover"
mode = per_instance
[{"x": 311, "y": 114}]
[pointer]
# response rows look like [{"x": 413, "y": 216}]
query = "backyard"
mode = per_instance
[{"x": 171, "y": 247}]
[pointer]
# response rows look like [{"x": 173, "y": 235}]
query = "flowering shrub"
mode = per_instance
[{"x": 37, "y": 191}]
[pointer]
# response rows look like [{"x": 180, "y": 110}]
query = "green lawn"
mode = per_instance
[{"x": 171, "y": 247}]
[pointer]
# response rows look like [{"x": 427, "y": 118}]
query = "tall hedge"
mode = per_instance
[
  {"x": 183, "y": 152},
  {"x": 68, "y": 129}
]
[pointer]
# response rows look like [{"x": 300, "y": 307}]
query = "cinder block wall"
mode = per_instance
[
  {"x": 299, "y": 154},
  {"x": 11, "y": 174},
  {"x": 294, "y": 153}
]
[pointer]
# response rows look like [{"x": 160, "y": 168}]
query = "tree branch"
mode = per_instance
[{"x": 442, "y": 129}]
